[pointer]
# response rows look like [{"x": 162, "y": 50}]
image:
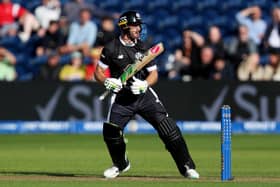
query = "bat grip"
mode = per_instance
[{"x": 104, "y": 95}]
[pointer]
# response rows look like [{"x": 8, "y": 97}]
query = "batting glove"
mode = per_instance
[
  {"x": 113, "y": 84},
  {"x": 138, "y": 86}
]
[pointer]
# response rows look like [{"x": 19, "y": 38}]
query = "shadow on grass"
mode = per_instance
[
  {"x": 85, "y": 176},
  {"x": 52, "y": 174}
]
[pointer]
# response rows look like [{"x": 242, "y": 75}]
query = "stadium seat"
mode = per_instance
[
  {"x": 185, "y": 14},
  {"x": 111, "y": 5},
  {"x": 65, "y": 59},
  {"x": 39, "y": 60},
  {"x": 35, "y": 68},
  {"x": 220, "y": 21},
  {"x": 149, "y": 20},
  {"x": 17, "y": 1},
  {"x": 23, "y": 74},
  {"x": 22, "y": 58},
  {"x": 159, "y": 38},
  {"x": 261, "y": 3},
  {"x": 169, "y": 21},
  {"x": 157, "y": 4},
  {"x": 160, "y": 14},
  {"x": 209, "y": 15},
  {"x": 195, "y": 22},
  {"x": 264, "y": 59},
  {"x": 11, "y": 43},
  {"x": 31, "y": 5},
  {"x": 182, "y": 5},
  {"x": 23, "y": 68},
  {"x": 161, "y": 64},
  {"x": 228, "y": 5},
  {"x": 30, "y": 46},
  {"x": 135, "y": 5},
  {"x": 66, "y": 1},
  {"x": 205, "y": 5},
  {"x": 175, "y": 41}
]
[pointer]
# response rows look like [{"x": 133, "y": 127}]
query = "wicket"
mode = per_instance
[{"x": 226, "y": 143}]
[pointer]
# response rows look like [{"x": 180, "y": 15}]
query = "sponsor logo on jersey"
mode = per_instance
[
  {"x": 120, "y": 56},
  {"x": 139, "y": 56}
]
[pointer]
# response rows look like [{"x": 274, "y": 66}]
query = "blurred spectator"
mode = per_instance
[
  {"x": 74, "y": 71},
  {"x": 248, "y": 68},
  {"x": 64, "y": 36},
  {"x": 272, "y": 34},
  {"x": 271, "y": 71},
  {"x": 64, "y": 28},
  {"x": 51, "y": 41},
  {"x": 72, "y": 8},
  {"x": 205, "y": 67},
  {"x": 7, "y": 62},
  {"x": 90, "y": 68},
  {"x": 242, "y": 48},
  {"x": 251, "y": 17},
  {"x": 215, "y": 41},
  {"x": 222, "y": 70},
  {"x": 9, "y": 12},
  {"x": 49, "y": 11},
  {"x": 107, "y": 31},
  {"x": 274, "y": 64},
  {"x": 188, "y": 56},
  {"x": 50, "y": 71},
  {"x": 82, "y": 34}
]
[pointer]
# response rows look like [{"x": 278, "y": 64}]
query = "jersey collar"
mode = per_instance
[{"x": 125, "y": 44}]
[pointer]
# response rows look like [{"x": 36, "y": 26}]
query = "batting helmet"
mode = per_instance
[{"x": 129, "y": 18}]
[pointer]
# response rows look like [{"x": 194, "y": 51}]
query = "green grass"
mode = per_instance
[{"x": 79, "y": 160}]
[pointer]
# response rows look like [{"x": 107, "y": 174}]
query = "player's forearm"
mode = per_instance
[
  {"x": 99, "y": 75},
  {"x": 152, "y": 78}
]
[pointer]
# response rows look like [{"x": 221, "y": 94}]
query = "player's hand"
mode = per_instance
[
  {"x": 138, "y": 86},
  {"x": 113, "y": 84}
]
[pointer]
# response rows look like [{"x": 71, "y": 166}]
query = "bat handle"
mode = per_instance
[{"x": 104, "y": 95}]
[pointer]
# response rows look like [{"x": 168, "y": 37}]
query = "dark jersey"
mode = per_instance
[{"x": 117, "y": 56}]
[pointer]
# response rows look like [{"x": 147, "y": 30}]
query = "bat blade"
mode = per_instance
[{"x": 147, "y": 57}]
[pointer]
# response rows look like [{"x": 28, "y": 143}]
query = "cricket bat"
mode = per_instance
[{"x": 132, "y": 69}]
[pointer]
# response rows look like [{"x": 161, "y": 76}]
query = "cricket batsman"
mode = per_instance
[{"x": 136, "y": 97}]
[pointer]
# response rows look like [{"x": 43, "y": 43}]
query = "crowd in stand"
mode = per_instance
[
  {"x": 64, "y": 42},
  {"x": 252, "y": 54},
  {"x": 56, "y": 32}
]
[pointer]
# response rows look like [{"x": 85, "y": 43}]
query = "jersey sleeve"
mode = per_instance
[
  {"x": 104, "y": 61},
  {"x": 151, "y": 66}
]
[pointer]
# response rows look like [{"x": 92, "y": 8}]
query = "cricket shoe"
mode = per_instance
[
  {"x": 192, "y": 174},
  {"x": 114, "y": 171}
]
